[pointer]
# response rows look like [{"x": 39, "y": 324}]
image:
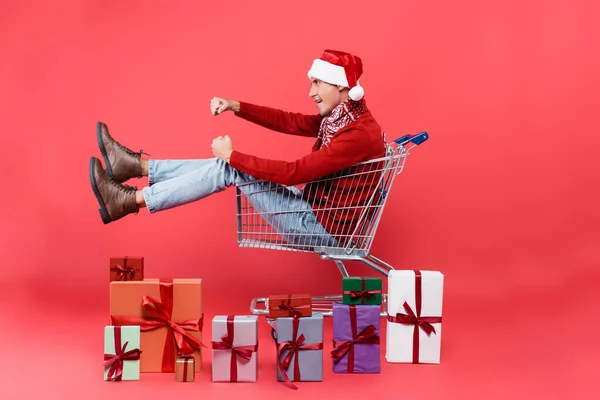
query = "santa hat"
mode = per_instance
[{"x": 339, "y": 68}]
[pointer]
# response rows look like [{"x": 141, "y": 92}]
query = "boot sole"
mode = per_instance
[
  {"x": 103, "y": 211},
  {"x": 109, "y": 170}
]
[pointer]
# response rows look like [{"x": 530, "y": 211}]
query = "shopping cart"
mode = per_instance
[{"x": 357, "y": 194}]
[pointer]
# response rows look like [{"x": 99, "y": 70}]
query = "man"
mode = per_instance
[{"x": 326, "y": 209}]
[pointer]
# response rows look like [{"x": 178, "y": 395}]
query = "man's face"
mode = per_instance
[{"x": 326, "y": 96}]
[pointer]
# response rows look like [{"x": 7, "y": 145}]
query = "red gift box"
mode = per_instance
[
  {"x": 290, "y": 305},
  {"x": 126, "y": 269}
]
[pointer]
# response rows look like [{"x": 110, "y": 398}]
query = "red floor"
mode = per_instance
[{"x": 542, "y": 347}]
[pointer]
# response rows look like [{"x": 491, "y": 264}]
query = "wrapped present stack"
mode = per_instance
[
  {"x": 299, "y": 339},
  {"x": 169, "y": 313},
  {"x": 167, "y": 316},
  {"x": 356, "y": 327},
  {"x": 156, "y": 326}
]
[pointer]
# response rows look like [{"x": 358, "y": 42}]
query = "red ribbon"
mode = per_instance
[
  {"x": 159, "y": 315},
  {"x": 186, "y": 360},
  {"x": 123, "y": 271},
  {"x": 226, "y": 343},
  {"x": 362, "y": 294},
  {"x": 293, "y": 311},
  {"x": 416, "y": 319},
  {"x": 354, "y": 294},
  {"x": 116, "y": 361},
  {"x": 368, "y": 336},
  {"x": 294, "y": 346}
]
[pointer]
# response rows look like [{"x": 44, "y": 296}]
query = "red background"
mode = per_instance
[{"x": 502, "y": 199}]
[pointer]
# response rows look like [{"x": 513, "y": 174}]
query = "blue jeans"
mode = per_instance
[{"x": 173, "y": 183}]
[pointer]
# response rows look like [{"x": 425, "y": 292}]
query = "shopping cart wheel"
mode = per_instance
[{"x": 273, "y": 323}]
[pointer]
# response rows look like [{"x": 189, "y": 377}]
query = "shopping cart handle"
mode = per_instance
[{"x": 416, "y": 139}]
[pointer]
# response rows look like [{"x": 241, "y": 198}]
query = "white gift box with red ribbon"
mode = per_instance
[{"x": 414, "y": 325}]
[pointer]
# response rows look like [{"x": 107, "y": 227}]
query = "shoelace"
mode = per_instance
[
  {"x": 127, "y": 189},
  {"x": 122, "y": 187},
  {"x": 130, "y": 152}
]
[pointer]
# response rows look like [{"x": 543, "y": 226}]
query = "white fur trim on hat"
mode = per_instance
[{"x": 328, "y": 72}]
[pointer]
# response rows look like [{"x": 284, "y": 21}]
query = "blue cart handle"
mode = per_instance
[{"x": 416, "y": 139}]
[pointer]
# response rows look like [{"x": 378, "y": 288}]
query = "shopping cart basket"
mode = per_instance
[{"x": 358, "y": 194}]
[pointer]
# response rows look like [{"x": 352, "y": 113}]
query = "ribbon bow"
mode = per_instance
[
  {"x": 367, "y": 335},
  {"x": 115, "y": 361},
  {"x": 292, "y": 310},
  {"x": 412, "y": 319},
  {"x": 226, "y": 343},
  {"x": 159, "y": 315},
  {"x": 355, "y": 294},
  {"x": 123, "y": 272},
  {"x": 294, "y": 346}
]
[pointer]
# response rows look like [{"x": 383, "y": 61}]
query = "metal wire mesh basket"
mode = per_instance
[{"x": 347, "y": 207}]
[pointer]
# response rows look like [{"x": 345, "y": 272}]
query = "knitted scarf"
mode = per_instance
[{"x": 342, "y": 115}]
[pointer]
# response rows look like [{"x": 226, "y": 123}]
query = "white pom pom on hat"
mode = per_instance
[
  {"x": 339, "y": 68},
  {"x": 356, "y": 93}
]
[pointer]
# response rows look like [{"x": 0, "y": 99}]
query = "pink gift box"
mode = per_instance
[{"x": 235, "y": 346}]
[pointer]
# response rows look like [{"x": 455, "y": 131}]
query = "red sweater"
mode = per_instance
[{"x": 334, "y": 201}]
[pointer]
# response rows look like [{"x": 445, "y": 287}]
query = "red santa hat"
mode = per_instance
[{"x": 339, "y": 68}]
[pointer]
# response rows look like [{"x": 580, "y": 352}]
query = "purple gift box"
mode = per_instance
[{"x": 361, "y": 349}]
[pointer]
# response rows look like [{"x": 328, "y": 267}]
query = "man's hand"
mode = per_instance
[
  {"x": 219, "y": 105},
  {"x": 222, "y": 147}
]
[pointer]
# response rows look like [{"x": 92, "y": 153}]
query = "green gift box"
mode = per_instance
[
  {"x": 361, "y": 290},
  {"x": 122, "y": 353}
]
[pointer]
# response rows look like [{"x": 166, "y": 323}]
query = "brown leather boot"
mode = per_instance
[
  {"x": 115, "y": 200},
  {"x": 121, "y": 162}
]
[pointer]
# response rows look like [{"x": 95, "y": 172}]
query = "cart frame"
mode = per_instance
[{"x": 356, "y": 246}]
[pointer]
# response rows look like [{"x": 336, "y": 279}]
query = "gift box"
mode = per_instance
[
  {"x": 414, "y": 323},
  {"x": 126, "y": 268},
  {"x": 235, "y": 346},
  {"x": 184, "y": 369},
  {"x": 300, "y": 349},
  {"x": 169, "y": 313},
  {"x": 356, "y": 338},
  {"x": 289, "y": 305},
  {"x": 358, "y": 290},
  {"x": 122, "y": 353}
]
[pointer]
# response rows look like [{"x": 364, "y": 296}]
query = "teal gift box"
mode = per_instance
[{"x": 122, "y": 353}]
